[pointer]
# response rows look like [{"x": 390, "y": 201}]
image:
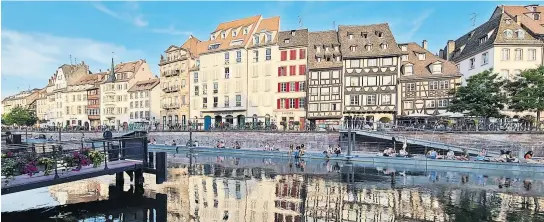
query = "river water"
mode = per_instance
[{"x": 220, "y": 188}]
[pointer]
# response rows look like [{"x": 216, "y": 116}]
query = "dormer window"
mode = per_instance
[
  {"x": 212, "y": 37},
  {"x": 292, "y": 32},
  {"x": 256, "y": 40},
  {"x": 336, "y": 48},
  {"x": 483, "y": 39},
  {"x": 384, "y": 45},
  {"x": 408, "y": 69},
  {"x": 318, "y": 59},
  {"x": 470, "y": 34},
  {"x": 326, "y": 48},
  {"x": 286, "y": 41},
  {"x": 223, "y": 35},
  {"x": 508, "y": 21},
  {"x": 318, "y": 48},
  {"x": 520, "y": 34},
  {"x": 404, "y": 48},
  {"x": 268, "y": 37},
  {"x": 364, "y": 35},
  {"x": 437, "y": 68},
  {"x": 508, "y": 33},
  {"x": 404, "y": 58},
  {"x": 421, "y": 56},
  {"x": 246, "y": 31},
  {"x": 234, "y": 33},
  {"x": 379, "y": 34},
  {"x": 368, "y": 47},
  {"x": 338, "y": 58},
  {"x": 353, "y": 48},
  {"x": 537, "y": 16},
  {"x": 350, "y": 35}
]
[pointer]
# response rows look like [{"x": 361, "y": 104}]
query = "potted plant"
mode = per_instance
[
  {"x": 80, "y": 160},
  {"x": 97, "y": 158},
  {"x": 47, "y": 165},
  {"x": 284, "y": 124},
  {"x": 9, "y": 167},
  {"x": 31, "y": 168}
]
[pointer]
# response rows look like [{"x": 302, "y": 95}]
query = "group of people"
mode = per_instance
[
  {"x": 330, "y": 151},
  {"x": 297, "y": 151},
  {"x": 504, "y": 157}
]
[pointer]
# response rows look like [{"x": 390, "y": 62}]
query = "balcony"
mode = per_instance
[
  {"x": 95, "y": 96},
  {"x": 170, "y": 106},
  {"x": 170, "y": 73},
  {"x": 170, "y": 89},
  {"x": 94, "y": 117},
  {"x": 165, "y": 61}
]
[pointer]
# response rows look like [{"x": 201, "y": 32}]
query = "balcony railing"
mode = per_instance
[
  {"x": 170, "y": 106},
  {"x": 170, "y": 89},
  {"x": 171, "y": 73},
  {"x": 94, "y": 117}
]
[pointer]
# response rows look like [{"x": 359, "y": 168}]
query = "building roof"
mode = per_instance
[
  {"x": 144, "y": 85},
  {"x": 374, "y": 35},
  {"x": 422, "y": 68},
  {"x": 90, "y": 79},
  {"x": 227, "y": 27},
  {"x": 494, "y": 30},
  {"x": 269, "y": 24},
  {"x": 323, "y": 38},
  {"x": 191, "y": 45},
  {"x": 297, "y": 38},
  {"x": 526, "y": 16},
  {"x": 129, "y": 66}
]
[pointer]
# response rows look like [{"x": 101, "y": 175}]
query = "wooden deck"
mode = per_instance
[{"x": 26, "y": 182}]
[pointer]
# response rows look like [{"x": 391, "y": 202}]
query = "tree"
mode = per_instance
[
  {"x": 527, "y": 92},
  {"x": 481, "y": 96},
  {"x": 19, "y": 116}
]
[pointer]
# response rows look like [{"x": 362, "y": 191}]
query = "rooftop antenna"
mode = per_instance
[
  {"x": 473, "y": 18},
  {"x": 334, "y": 25},
  {"x": 300, "y": 22},
  {"x": 70, "y": 59}
]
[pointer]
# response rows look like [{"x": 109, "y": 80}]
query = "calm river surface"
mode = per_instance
[{"x": 211, "y": 188}]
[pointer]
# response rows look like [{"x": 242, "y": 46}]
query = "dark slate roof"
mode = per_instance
[
  {"x": 372, "y": 38},
  {"x": 300, "y": 38},
  {"x": 469, "y": 44},
  {"x": 323, "y": 38},
  {"x": 422, "y": 68}
]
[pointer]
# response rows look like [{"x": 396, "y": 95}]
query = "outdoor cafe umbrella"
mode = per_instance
[
  {"x": 418, "y": 115},
  {"x": 452, "y": 115}
]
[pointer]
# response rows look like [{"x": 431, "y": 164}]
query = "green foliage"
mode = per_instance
[
  {"x": 527, "y": 91},
  {"x": 19, "y": 116},
  {"x": 481, "y": 96}
]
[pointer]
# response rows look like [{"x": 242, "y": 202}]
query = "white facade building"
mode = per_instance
[{"x": 144, "y": 100}]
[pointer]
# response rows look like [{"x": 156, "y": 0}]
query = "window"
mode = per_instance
[
  {"x": 204, "y": 89},
  {"x": 472, "y": 63},
  {"x": 226, "y": 58},
  {"x": 238, "y": 100},
  {"x": 301, "y": 102},
  {"x": 268, "y": 54},
  {"x": 433, "y": 85},
  {"x": 215, "y": 101},
  {"x": 404, "y": 58},
  {"x": 371, "y": 81},
  {"x": 387, "y": 61},
  {"x": 505, "y": 54},
  {"x": 485, "y": 58},
  {"x": 384, "y": 46},
  {"x": 379, "y": 34},
  {"x": 227, "y": 73},
  {"x": 196, "y": 90},
  {"x": 505, "y": 73},
  {"x": 508, "y": 33},
  {"x": 292, "y": 87},
  {"x": 372, "y": 62},
  {"x": 204, "y": 102},
  {"x": 283, "y": 87},
  {"x": 234, "y": 33},
  {"x": 354, "y": 100},
  {"x": 302, "y": 70},
  {"x": 215, "y": 88},
  {"x": 292, "y": 103},
  {"x": 483, "y": 39},
  {"x": 286, "y": 41},
  {"x": 444, "y": 84},
  {"x": 442, "y": 103},
  {"x": 371, "y": 100},
  {"x": 302, "y": 86},
  {"x": 255, "y": 55},
  {"x": 355, "y": 63},
  {"x": 283, "y": 55},
  {"x": 268, "y": 37},
  {"x": 421, "y": 56},
  {"x": 517, "y": 73},
  {"x": 292, "y": 70},
  {"x": 256, "y": 40},
  {"x": 537, "y": 16},
  {"x": 214, "y": 46},
  {"x": 238, "y": 56},
  {"x": 282, "y": 71},
  {"x": 520, "y": 34},
  {"x": 353, "y": 48},
  {"x": 227, "y": 101},
  {"x": 386, "y": 99},
  {"x": 131, "y": 105},
  {"x": 410, "y": 87},
  {"x": 245, "y": 31},
  {"x": 437, "y": 68},
  {"x": 431, "y": 104},
  {"x": 131, "y": 115},
  {"x": 293, "y": 54},
  {"x": 302, "y": 53},
  {"x": 532, "y": 54},
  {"x": 518, "y": 54},
  {"x": 404, "y": 48},
  {"x": 408, "y": 69},
  {"x": 195, "y": 78}
]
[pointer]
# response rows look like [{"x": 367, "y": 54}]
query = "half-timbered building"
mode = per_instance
[
  {"x": 371, "y": 68},
  {"x": 426, "y": 80},
  {"x": 325, "y": 78}
]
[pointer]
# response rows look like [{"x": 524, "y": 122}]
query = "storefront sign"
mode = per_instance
[{"x": 287, "y": 113}]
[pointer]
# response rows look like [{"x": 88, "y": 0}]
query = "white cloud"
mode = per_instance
[
  {"x": 131, "y": 15},
  {"x": 36, "y": 56},
  {"x": 171, "y": 30},
  {"x": 415, "y": 25}
]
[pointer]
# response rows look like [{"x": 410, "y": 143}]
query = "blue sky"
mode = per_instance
[{"x": 38, "y": 37}]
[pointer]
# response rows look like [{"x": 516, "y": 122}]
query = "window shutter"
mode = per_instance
[
  {"x": 279, "y": 87},
  {"x": 302, "y": 70},
  {"x": 296, "y": 101},
  {"x": 292, "y": 70},
  {"x": 302, "y": 54},
  {"x": 286, "y": 103},
  {"x": 279, "y": 103},
  {"x": 296, "y": 86},
  {"x": 283, "y": 55},
  {"x": 279, "y": 71},
  {"x": 293, "y": 55},
  {"x": 287, "y": 87}
]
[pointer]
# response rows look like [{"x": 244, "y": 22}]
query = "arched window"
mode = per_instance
[
  {"x": 520, "y": 34},
  {"x": 508, "y": 33}
]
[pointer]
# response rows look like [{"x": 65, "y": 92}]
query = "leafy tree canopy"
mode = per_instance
[
  {"x": 527, "y": 91},
  {"x": 481, "y": 96},
  {"x": 19, "y": 116}
]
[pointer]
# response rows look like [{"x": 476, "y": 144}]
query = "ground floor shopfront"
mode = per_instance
[{"x": 293, "y": 120}]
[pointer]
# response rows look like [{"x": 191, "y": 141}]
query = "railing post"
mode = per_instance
[
  {"x": 107, "y": 156},
  {"x": 56, "y": 161}
]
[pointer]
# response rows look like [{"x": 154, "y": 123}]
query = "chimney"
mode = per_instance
[
  {"x": 99, "y": 70},
  {"x": 502, "y": 8},
  {"x": 424, "y": 44},
  {"x": 449, "y": 49},
  {"x": 517, "y": 19}
]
